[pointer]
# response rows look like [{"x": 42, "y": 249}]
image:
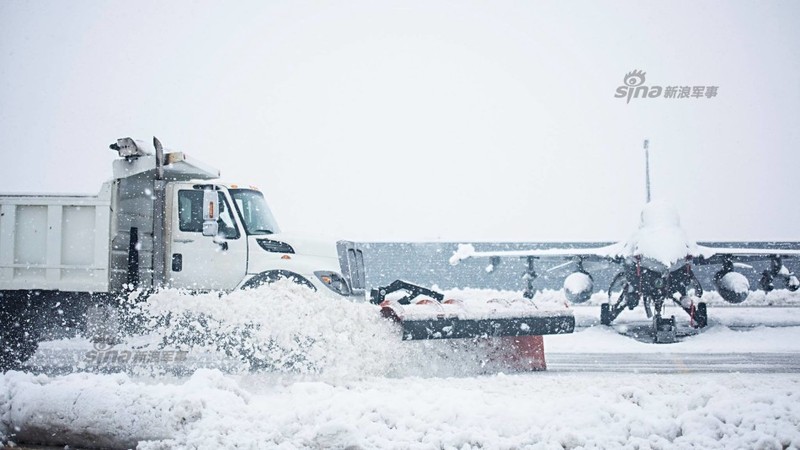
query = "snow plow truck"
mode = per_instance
[{"x": 164, "y": 220}]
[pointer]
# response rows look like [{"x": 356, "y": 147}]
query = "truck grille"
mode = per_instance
[{"x": 351, "y": 260}]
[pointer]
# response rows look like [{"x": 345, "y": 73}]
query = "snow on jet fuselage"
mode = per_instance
[{"x": 656, "y": 267}]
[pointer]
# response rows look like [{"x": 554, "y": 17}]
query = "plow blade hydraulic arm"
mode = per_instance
[
  {"x": 377, "y": 296},
  {"x": 436, "y": 318}
]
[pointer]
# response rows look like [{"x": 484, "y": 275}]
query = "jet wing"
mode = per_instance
[
  {"x": 613, "y": 252},
  {"x": 717, "y": 255}
]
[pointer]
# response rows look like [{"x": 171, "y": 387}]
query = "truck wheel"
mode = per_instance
[
  {"x": 265, "y": 278},
  {"x": 19, "y": 332}
]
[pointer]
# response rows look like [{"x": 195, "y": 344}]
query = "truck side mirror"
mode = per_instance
[{"x": 210, "y": 212}]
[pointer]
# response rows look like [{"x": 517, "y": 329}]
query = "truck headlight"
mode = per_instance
[
  {"x": 275, "y": 246},
  {"x": 334, "y": 281}
]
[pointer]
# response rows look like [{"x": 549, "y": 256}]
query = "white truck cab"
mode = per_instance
[{"x": 246, "y": 249}]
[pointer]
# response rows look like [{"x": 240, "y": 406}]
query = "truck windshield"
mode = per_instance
[{"x": 255, "y": 213}]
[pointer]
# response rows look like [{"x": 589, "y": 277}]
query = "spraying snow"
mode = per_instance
[{"x": 282, "y": 327}]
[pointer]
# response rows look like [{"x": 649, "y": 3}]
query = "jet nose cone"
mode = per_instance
[{"x": 657, "y": 214}]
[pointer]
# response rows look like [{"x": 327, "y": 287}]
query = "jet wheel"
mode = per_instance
[
  {"x": 605, "y": 314},
  {"x": 665, "y": 331},
  {"x": 701, "y": 315}
]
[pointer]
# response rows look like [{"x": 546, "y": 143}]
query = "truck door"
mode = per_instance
[{"x": 200, "y": 262}]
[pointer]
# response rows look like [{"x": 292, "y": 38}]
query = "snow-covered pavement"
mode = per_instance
[
  {"x": 541, "y": 410},
  {"x": 730, "y": 386},
  {"x": 674, "y": 363}
]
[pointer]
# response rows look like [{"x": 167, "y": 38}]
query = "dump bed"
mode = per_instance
[{"x": 55, "y": 242}]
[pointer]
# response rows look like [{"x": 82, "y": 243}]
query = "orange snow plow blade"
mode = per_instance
[{"x": 436, "y": 318}]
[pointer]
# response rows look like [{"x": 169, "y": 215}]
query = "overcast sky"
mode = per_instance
[{"x": 422, "y": 120}]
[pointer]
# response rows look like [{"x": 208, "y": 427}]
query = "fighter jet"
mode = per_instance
[{"x": 656, "y": 267}]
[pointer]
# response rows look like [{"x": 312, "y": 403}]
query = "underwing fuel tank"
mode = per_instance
[{"x": 433, "y": 317}]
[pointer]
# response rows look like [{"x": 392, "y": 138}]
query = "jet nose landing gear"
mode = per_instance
[{"x": 664, "y": 330}]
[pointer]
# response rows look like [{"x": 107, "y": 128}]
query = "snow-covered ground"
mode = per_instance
[
  {"x": 212, "y": 410},
  {"x": 340, "y": 378}
]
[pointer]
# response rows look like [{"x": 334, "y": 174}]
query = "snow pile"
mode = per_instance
[
  {"x": 108, "y": 411},
  {"x": 544, "y": 300},
  {"x": 212, "y": 410},
  {"x": 519, "y": 308},
  {"x": 478, "y": 304}
]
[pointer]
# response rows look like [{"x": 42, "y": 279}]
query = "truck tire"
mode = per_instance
[
  {"x": 20, "y": 335},
  {"x": 272, "y": 276}
]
